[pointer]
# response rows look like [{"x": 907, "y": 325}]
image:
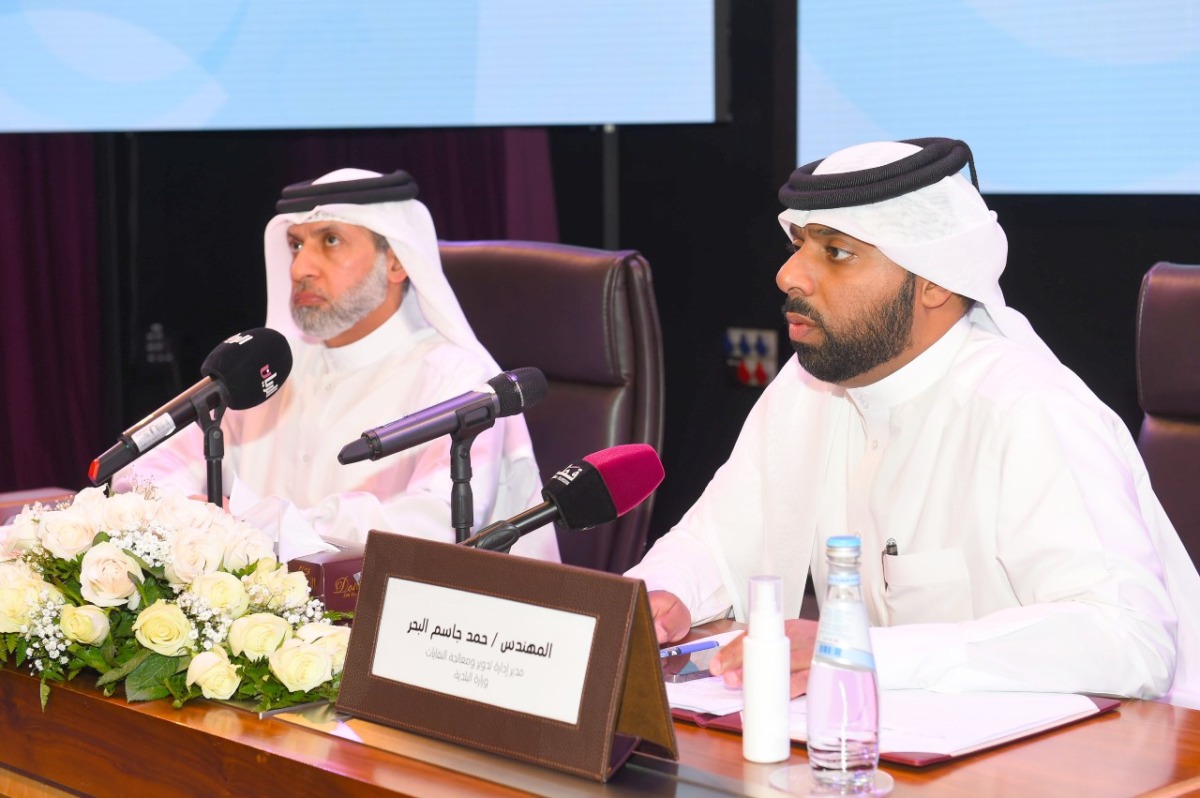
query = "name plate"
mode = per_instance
[
  {"x": 542, "y": 662},
  {"x": 493, "y": 650}
]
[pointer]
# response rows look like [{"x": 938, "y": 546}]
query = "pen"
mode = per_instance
[{"x": 688, "y": 648}]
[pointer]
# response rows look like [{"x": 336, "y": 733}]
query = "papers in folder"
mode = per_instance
[{"x": 917, "y": 727}]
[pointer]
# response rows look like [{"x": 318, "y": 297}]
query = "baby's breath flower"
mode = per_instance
[
  {"x": 45, "y": 643},
  {"x": 150, "y": 544},
  {"x": 211, "y": 625}
]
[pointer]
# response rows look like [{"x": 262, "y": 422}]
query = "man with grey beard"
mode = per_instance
[{"x": 355, "y": 282}]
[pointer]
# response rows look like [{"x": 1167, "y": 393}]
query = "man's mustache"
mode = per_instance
[
  {"x": 797, "y": 304},
  {"x": 304, "y": 286}
]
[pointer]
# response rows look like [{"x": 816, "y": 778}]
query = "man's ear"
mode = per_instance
[
  {"x": 396, "y": 272},
  {"x": 931, "y": 295}
]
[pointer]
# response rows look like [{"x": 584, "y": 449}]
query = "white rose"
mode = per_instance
[
  {"x": 192, "y": 554},
  {"x": 258, "y": 635},
  {"x": 265, "y": 581},
  {"x": 334, "y": 639},
  {"x": 301, "y": 666},
  {"x": 223, "y": 592},
  {"x": 12, "y": 570},
  {"x": 24, "y": 532},
  {"x": 285, "y": 588},
  {"x": 290, "y": 590},
  {"x": 126, "y": 511},
  {"x": 18, "y": 596},
  {"x": 164, "y": 629},
  {"x": 107, "y": 576},
  {"x": 244, "y": 544},
  {"x": 217, "y": 676},
  {"x": 87, "y": 624},
  {"x": 89, "y": 503},
  {"x": 178, "y": 511},
  {"x": 66, "y": 533},
  {"x": 219, "y": 521}
]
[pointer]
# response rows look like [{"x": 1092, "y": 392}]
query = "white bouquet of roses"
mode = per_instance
[{"x": 165, "y": 595}]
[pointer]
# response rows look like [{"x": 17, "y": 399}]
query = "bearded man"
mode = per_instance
[
  {"x": 355, "y": 282},
  {"x": 1010, "y": 537}
]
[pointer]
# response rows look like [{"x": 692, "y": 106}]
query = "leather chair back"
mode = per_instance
[
  {"x": 1168, "y": 378},
  {"x": 588, "y": 319}
]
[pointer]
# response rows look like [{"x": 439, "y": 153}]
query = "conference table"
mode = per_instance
[{"x": 86, "y": 744}]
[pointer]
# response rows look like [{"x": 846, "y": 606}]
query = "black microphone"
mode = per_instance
[
  {"x": 244, "y": 370},
  {"x": 506, "y": 394},
  {"x": 600, "y": 488}
]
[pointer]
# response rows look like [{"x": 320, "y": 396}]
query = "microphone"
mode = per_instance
[
  {"x": 242, "y": 371},
  {"x": 506, "y": 394},
  {"x": 600, "y": 488}
]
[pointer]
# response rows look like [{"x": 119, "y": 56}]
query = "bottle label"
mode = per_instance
[{"x": 842, "y": 636}]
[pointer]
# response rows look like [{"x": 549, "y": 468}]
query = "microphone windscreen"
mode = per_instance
[
  {"x": 252, "y": 366},
  {"x": 604, "y": 485},
  {"x": 518, "y": 390},
  {"x": 630, "y": 471},
  {"x": 578, "y": 493}
]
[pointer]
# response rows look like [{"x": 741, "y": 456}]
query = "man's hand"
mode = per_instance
[
  {"x": 672, "y": 620},
  {"x": 204, "y": 498},
  {"x": 801, "y": 633}
]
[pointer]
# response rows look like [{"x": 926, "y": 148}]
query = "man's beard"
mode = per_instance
[
  {"x": 347, "y": 310},
  {"x": 875, "y": 337}
]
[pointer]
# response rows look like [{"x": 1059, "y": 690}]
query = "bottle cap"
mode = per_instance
[
  {"x": 766, "y": 606},
  {"x": 843, "y": 542}
]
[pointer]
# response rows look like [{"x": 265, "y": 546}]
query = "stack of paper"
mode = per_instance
[{"x": 917, "y": 727}]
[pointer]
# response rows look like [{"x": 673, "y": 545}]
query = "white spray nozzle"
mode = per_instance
[{"x": 766, "y": 606}]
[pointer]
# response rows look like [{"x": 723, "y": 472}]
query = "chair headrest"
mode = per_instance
[
  {"x": 1168, "y": 341},
  {"x": 578, "y": 328}
]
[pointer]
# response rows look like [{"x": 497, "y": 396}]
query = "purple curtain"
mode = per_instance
[
  {"x": 479, "y": 183},
  {"x": 50, "y": 349}
]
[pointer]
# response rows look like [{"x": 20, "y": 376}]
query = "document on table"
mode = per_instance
[{"x": 916, "y": 727}]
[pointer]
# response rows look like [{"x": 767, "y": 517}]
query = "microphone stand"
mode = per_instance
[
  {"x": 214, "y": 446},
  {"x": 462, "y": 509}
]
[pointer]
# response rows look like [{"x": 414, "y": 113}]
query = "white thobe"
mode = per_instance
[
  {"x": 287, "y": 447},
  {"x": 1032, "y": 553}
]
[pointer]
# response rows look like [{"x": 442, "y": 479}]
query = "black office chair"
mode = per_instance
[
  {"x": 1168, "y": 378},
  {"x": 587, "y": 318}
]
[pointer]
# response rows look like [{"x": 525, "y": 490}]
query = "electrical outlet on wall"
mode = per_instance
[
  {"x": 158, "y": 346},
  {"x": 752, "y": 355}
]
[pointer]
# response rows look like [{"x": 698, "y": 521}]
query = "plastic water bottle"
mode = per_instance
[
  {"x": 843, "y": 697},
  {"x": 766, "y": 675}
]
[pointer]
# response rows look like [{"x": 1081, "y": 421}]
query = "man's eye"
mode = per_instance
[
  {"x": 837, "y": 253},
  {"x": 332, "y": 240},
  {"x": 793, "y": 247},
  {"x": 294, "y": 246}
]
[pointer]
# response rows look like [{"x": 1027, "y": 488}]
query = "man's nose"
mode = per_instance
[
  {"x": 303, "y": 265},
  {"x": 796, "y": 274}
]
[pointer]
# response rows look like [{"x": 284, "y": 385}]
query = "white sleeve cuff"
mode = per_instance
[{"x": 916, "y": 655}]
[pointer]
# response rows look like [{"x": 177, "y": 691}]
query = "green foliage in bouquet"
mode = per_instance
[{"x": 164, "y": 596}]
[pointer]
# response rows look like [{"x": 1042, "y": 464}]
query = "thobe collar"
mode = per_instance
[
  {"x": 914, "y": 377},
  {"x": 392, "y": 339}
]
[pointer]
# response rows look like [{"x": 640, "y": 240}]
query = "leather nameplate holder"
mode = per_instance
[{"x": 541, "y": 662}]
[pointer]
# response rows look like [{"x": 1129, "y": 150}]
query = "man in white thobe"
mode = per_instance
[
  {"x": 1010, "y": 536},
  {"x": 355, "y": 282}
]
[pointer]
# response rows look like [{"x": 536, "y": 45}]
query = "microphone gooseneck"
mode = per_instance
[{"x": 506, "y": 394}]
